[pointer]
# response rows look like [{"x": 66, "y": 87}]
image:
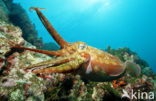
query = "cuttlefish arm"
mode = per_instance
[
  {"x": 59, "y": 64},
  {"x": 62, "y": 68},
  {"x": 53, "y": 53},
  {"x": 50, "y": 28}
]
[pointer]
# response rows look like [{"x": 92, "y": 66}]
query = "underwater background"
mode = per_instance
[
  {"x": 124, "y": 28},
  {"x": 99, "y": 23}
]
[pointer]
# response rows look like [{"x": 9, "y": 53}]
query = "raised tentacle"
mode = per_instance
[
  {"x": 50, "y": 28},
  {"x": 53, "y": 53}
]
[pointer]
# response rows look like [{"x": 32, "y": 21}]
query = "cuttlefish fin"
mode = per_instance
[
  {"x": 50, "y": 28},
  {"x": 133, "y": 68},
  {"x": 53, "y": 53}
]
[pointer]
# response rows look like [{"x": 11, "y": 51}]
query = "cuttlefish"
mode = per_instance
[{"x": 91, "y": 63}]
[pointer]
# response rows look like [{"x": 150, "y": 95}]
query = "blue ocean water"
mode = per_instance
[{"x": 99, "y": 23}]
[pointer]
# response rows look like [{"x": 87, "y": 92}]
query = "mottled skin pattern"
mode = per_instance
[{"x": 89, "y": 62}]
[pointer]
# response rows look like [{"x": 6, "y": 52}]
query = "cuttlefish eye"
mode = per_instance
[{"x": 82, "y": 46}]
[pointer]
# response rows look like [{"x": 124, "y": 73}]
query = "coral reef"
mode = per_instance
[
  {"x": 14, "y": 82},
  {"x": 145, "y": 82}
]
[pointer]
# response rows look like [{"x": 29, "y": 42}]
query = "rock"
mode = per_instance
[
  {"x": 12, "y": 66},
  {"x": 7, "y": 32}
]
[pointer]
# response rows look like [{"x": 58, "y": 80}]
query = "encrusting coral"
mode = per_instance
[{"x": 13, "y": 79}]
